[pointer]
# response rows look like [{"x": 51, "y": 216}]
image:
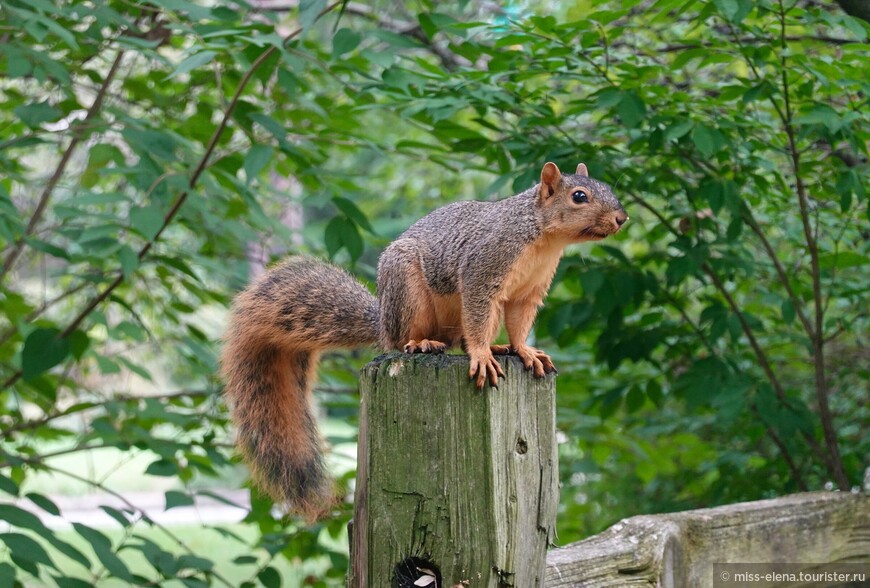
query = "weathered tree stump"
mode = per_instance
[{"x": 460, "y": 482}]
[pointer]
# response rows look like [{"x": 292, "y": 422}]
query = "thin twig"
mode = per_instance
[
  {"x": 835, "y": 462},
  {"x": 142, "y": 513},
  {"x": 182, "y": 197},
  {"x": 77, "y": 137},
  {"x": 796, "y": 302},
  {"x": 796, "y": 474},
  {"x": 744, "y": 325},
  {"x": 76, "y": 408}
]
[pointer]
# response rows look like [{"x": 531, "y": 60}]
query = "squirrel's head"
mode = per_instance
[{"x": 578, "y": 207}]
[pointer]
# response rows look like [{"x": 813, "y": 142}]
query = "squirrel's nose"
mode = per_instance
[{"x": 620, "y": 218}]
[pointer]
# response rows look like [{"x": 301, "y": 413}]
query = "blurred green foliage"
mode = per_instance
[{"x": 714, "y": 351}]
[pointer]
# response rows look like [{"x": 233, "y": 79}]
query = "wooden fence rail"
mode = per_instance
[{"x": 680, "y": 549}]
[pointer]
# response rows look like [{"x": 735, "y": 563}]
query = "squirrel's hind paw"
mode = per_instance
[
  {"x": 425, "y": 346},
  {"x": 501, "y": 349}
]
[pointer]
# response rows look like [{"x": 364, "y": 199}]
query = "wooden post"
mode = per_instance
[{"x": 453, "y": 480}]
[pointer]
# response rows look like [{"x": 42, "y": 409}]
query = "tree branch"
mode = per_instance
[
  {"x": 744, "y": 325},
  {"x": 37, "y": 312},
  {"x": 77, "y": 136},
  {"x": 449, "y": 60},
  {"x": 835, "y": 462},
  {"x": 182, "y": 197},
  {"x": 786, "y": 455},
  {"x": 796, "y": 302},
  {"x": 142, "y": 513},
  {"x": 76, "y": 408}
]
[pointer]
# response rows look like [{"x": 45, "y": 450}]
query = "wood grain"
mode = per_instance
[
  {"x": 463, "y": 479},
  {"x": 679, "y": 549}
]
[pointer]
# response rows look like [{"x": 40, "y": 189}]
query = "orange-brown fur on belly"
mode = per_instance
[
  {"x": 448, "y": 318},
  {"x": 530, "y": 275},
  {"x": 526, "y": 283}
]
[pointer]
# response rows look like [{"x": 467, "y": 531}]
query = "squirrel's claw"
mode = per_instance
[
  {"x": 537, "y": 360},
  {"x": 484, "y": 368},
  {"x": 501, "y": 349},
  {"x": 425, "y": 346}
]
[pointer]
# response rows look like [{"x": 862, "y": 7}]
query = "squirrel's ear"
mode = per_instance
[
  {"x": 581, "y": 170},
  {"x": 550, "y": 177}
]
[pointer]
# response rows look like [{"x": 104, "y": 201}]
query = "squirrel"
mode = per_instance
[{"x": 449, "y": 280}]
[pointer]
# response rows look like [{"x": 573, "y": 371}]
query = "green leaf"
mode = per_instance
[
  {"x": 43, "y": 503},
  {"x": 26, "y": 548},
  {"x": 856, "y": 26},
  {"x": 635, "y": 399},
  {"x": 98, "y": 157},
  {"x": 195, "y": 562},
  {"x": 79, "y": 343},
  {"x": 678, "y": 129},
  {"x": 192, "y": 62},
  {"x": 68, "y": 582},
  {"x": 146, "y": 220},
  {"x": 162, "y": 467},
  {"x": 43, "y": 349},
  {"x": 788, "y": 312},
  {"x": 129, "y": 260},
  {"x": 151, "y": 143},
  {"x": 8, "y": 485},
  {"x": 97, "y": 198},
  {"x": 610, "y": 402},
  {"x": 102, "y": 547},
  {"x": 107, "y": 366},
  {"x": 309, "y": 10},
  {"x": 398, "y": 77},
  {"x": 344, "y": 41},
  {"x": 821, "y": 114},
  {"x": 342, "y": 232},
  {"x": 842, "y": 259},
  {"x": 49, "y": 248},
  {"x": 679, "y": 268},
  {"x": 116, "y": 514},
  {"x": 256, "y": 160},
  {"x": 271, "y": 125},
  {"x": 349, "y": 208},
  {"x": 654, "y": 392},
  {"x": 728, "y": 8},
  {"x": 20, "y": 518},
  {"x": 33, "y": 115},
  {"x": 175, "y": 498},
  {"x": 7, "y": 575},
  {"x": 269, "y": 577},
  {"x": 631, "y": 109},
  {"x": 708, "y": 141}
]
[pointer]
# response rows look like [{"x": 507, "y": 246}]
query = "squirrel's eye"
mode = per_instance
[{"x": 580, "y": 196}]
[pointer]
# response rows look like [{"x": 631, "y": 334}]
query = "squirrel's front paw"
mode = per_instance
[
  {"x": 484, "y": 368},
  {"x": 537, "y": 360}
]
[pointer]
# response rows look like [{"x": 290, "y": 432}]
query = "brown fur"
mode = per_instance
[
  {"x": 278, "y": 328},
  {"x": 449, "y": 280}
]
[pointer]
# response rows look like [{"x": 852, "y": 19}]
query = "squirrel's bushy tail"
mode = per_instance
[{"x": 279, "y": 327}]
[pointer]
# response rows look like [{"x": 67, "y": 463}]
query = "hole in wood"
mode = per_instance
[
  {"x": 522, "y": 446},
  {"x": 416, "y": 572}
]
